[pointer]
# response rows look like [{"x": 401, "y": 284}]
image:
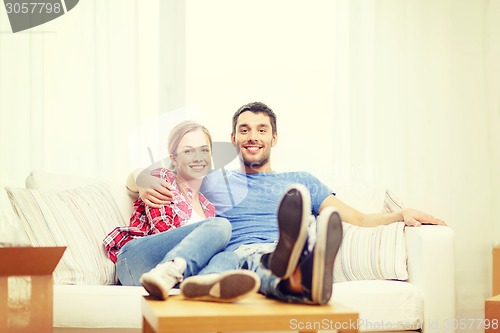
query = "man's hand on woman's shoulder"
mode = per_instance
[{"x": 154, "y": 191}]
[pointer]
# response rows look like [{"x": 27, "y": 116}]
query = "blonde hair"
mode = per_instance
[{"x": 178, "y": 132}]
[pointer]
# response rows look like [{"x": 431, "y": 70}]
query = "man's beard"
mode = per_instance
[{"x": 253, "y": 164}]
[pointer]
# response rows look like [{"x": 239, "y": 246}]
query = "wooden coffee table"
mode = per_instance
[{"x": 256, "y": 313}]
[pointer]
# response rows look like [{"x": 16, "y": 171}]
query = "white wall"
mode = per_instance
[
  {"x": 492, "y": 53},
  {"x": 369, "y": 94},
  {"x": 277, "y": 52}
]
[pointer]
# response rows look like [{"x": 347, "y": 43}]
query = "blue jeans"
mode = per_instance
[
  {"x": 198, "y": 243},
  {"x": 250, "y": 258}
]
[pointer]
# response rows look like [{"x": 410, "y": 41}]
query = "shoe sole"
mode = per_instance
[
  {"x": 292, "y": 231},
  {"x": 152, "y": 287},
  {"x": 327, "y": 246},
  {"x": 228, "y": 287}
]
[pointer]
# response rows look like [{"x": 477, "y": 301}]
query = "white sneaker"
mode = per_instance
[
  {"x": 163, "y": 277},
  {"x": 230, "y": 286}
]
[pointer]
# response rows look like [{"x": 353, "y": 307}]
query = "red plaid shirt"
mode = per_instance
[{"x": 148, "y": 221}]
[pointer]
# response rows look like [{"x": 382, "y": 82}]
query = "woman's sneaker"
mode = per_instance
[
  {"x": 294, "y": 212},
  {"x": 230, "y": 286},
  {"x": 161, "y": 279}
]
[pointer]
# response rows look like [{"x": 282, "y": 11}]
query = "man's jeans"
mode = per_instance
[
  {"x": 198, "y": 243},
  {"x": 250, "y": 258}
]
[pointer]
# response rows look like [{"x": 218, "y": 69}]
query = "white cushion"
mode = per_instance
[
  {"x": 375, "y": 253},
  {"x": 391, "y": 203},
  {"x": 382, "y": 305},
  {"x": 51, "y": 181},
  {"x": 79, "y": 218}
]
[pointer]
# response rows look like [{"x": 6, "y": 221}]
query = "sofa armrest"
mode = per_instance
[{"x": 431, "y": 267}]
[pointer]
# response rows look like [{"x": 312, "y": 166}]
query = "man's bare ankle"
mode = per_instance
[{"x": 294, "y": 283}]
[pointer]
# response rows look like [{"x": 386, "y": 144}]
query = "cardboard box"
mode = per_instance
[
  {"x": 496, "y": 270},
  {"x": 492, "y": 315},
  {"x": 26, "y": 288}
]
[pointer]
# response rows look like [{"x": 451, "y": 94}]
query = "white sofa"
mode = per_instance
[{"x": 425, "y": 301}]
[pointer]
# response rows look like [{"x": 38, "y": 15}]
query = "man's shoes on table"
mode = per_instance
[
  {"x": 294, "y": 212},
  {"x": 163, "y": 277},
  {"x": 316, "y": 267},
  {"x": 230, "y": 286}
]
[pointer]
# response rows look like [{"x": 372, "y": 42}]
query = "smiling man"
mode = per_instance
[{"x": 254, "y": 133}]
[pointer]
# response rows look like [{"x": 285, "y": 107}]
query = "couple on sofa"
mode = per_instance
[{"x": 175, "y": 237}]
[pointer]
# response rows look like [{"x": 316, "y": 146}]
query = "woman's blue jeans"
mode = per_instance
[{"x": 200, "y": 244}]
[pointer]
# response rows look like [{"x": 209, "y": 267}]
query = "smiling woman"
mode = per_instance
[
  {"x": 190, "y": 153},
  {"x": 164, "y": 244}
]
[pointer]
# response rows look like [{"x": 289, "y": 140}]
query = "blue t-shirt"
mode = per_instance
[{"x": 250, "y": 201}]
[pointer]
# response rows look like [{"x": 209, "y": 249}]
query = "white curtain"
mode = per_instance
[
  {"x": 417, "y": 110},
  {"x": 73, "y": 91}
]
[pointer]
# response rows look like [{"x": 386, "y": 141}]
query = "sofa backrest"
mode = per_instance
[{"x": 51, "y": 181}]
